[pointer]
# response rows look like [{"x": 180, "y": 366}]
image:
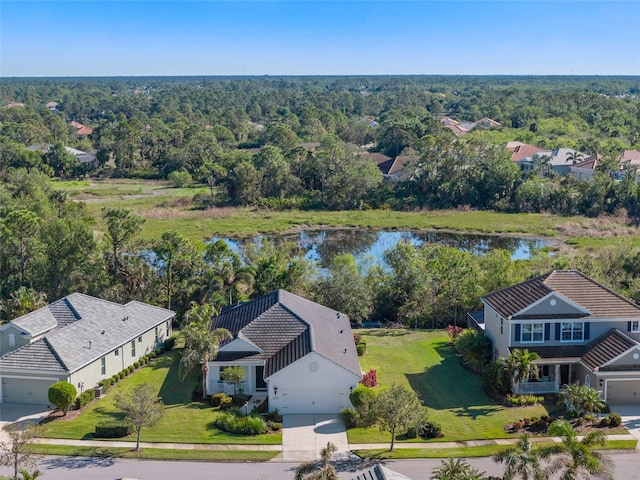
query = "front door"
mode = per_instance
[{"x": 260, "y": 383}]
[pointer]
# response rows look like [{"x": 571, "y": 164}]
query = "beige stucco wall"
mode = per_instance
[{"x": 21, "y": 340}]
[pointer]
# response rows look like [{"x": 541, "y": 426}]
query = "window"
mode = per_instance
[
  {"x": 133, "y": 348},
  {"x": 140, "y": 339},
  {"x": 103, "y": 366},
  {"x": 12, "y": 339},
  {"x": 532, "y": 332},
  {"x": 572, "y": 332},
  {"x": 635, "y": 326},
  {"x": 168, "y": 329},
  {"x": 117, "y": 352}
]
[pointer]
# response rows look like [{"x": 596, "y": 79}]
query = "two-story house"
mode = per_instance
[{"x": 582, "y": 331}]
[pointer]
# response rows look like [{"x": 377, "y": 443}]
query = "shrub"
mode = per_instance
[
  {"x": 496, "y": 378},
  {"x": 62, "y": 395},
  {"x": 221, "y": 400},
  {"x": 115, "y": 378},
  {"x": 361, "y": 348},
  {"x": 157, "y": 352},
  {"x": 356, "y": 338},
  {"x": 453, "y": 331},
  {"x": 137, "y": 364},
  {"x": 180, "y": 179},
  {"x": 112, "y": 430},
  {"x": 361, "y": 395},
  {"x": 370, "y": 379},
  {"x": 121, "y": 375},
  {"x": 168, "y": 344},
  {"x": 233, "y": 423},
  {"x": 604, "y": 422},
  {"x": 84, "y": 398},
  {"x": 522, "y": 400},
  {"x": 614, "y": 419},
  {"x": 431, "y": 430},
  {"x": 475, "y": 348},
  {"x": 364, "y": 401},
  {"x": 130, "y": 369},
  {"x": 349, "y": 417},
  {"x": 274, "y": 426},
  {"x": 274, "y": 416},
  {"x": 518, "y": 425},
  {"x": 239, "y": 399}
]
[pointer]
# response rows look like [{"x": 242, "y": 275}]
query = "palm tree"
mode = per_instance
[
  {"x": 456, "y": 470},
  {"x": 574, "y": 157},
  {"x": 521, "y": 366},
  {"x": 201, "y": 343},
  {"x": 26, "y": 475},
  {"x": 577, "y": 459},
  {"x": 322, "y": 471},
  {"x": 523, "y": 461},
  {"x": 582, "y": 398}
]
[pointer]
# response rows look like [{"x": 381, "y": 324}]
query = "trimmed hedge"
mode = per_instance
[
  {"x": 361, "y": 348},
  {"x": 221, "y": 400},
  {"x": 113, "y": 430},
  {"x": 168, "y": 344},
  {"x": 84, "y": 398}
]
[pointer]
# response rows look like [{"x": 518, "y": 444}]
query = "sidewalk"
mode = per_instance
[{"x": 278, "y": 448}]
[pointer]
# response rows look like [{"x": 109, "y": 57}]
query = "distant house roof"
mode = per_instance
[
  {"x": 78, "y": 330},
  {"x": 82, "y": 157},
  {"x": 81, "y": 129},
  {"x": 520, "y": 151},
  {"x": 380, "y": 472},
  {"x": 458, "y": 128},
  {"x": 630, "y": 158},
  {"x": 286, "y": 327},
  {"x": 13, "y": 105},
  {"x": 574, "y": 285},
  {"x": 566, "y": 156},
  {"x": 52, "y": 105},
  {"x": 377, "y": 157},
  {"x": 590, "y": 163},
  {"x": 486, "y": 122}
]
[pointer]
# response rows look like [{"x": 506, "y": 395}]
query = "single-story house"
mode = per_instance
[
  {"x": 78, "y": 339},
  {"x": 582, "y": 331},
  {"x": 295, "y": 352}
]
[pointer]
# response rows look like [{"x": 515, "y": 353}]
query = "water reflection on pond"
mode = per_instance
[{"x": 323, "y": 246}]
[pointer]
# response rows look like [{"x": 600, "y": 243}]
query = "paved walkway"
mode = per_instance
[{"x": 304, "y": 436}]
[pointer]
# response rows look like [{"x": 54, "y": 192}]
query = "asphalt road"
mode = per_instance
[{"x": 79, "y": 468}]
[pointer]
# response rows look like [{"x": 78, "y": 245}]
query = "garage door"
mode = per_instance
[
  {"x": 31, "y": 392},
  {"x": 623, "y": 392},
  {"x": 314, "y": 400}
]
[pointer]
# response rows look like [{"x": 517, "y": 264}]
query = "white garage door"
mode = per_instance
[
  {"x": 623, "y": 392},
  {"x": 314, "y": 400},
  {"x": 28, "y": 391}
]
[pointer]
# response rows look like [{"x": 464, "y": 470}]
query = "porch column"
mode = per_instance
[{"x": 557, "y": 377}]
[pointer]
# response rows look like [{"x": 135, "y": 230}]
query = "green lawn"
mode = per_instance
[
  {"x": 427, "y": 363},
  {"x": 157, "y": 453},
  {"x": 475, "y": 451},
  {"x": 184, "y": 421}
]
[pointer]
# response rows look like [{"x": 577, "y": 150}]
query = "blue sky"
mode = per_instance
[{"x": 93, "y": 38}]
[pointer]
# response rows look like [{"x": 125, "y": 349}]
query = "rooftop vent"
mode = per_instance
[{"x": 125, "y": 318}]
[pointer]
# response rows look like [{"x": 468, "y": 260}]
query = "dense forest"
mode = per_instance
[{"x": 297, "y": 143}]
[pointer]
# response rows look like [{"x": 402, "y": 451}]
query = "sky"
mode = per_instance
[{"x": 130, "y": 38}]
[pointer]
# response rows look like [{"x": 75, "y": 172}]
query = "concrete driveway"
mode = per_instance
[
  {"x": 303, "y": 436},
  {"x": 630, "y": 419},
  {"x": 16, "y": 412}
]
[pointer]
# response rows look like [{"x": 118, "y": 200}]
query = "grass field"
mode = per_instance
[
  {"x": 179, "y": 411},
  {"x": 166, "y": 208},
  {"x": 453, "y": 395}
]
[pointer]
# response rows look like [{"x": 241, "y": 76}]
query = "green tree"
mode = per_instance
[
  {"x": 24, "y": 300},
  {"x": 456, "y": 470},
  {"x": 201, "y": 343},
  {"x": 224, "y": 274},
  {"x": 141, "y": 407},
  {"x": 122, "y": 226},
  {"x": 233, "y": 376},
  {"x": 398, "y": 408},
  {"x": 522, "y": 367},
  {"x": 60, "y": 160},
  {"x": 21, "y": 227},
  {"x": 62, "y": 395},
  {"x": 345, "y": 289},
  {"x": 244, "y": 183},
  {"x": 581, "y": 398},
  {"x": 577, "y": 458},
  {"x": 322, "y": 471},
  {"x": 524, "y": 461},
  {"x": 18, "y": 448}
]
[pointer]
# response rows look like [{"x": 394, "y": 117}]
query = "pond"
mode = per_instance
[{"x": 322, "y": 246}]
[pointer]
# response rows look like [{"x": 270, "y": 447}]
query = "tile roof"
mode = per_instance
[
  {"x": 380, "y": 472},
  {"x": 81, "y": 129},
  {"x": 522, "y": 151},
  {"x": 99, "y": 327},
  {"x": 38, "y": 356},
  {"x": 607, "y": 347},
  {"x": 286, "y": 327},
  {"x": 574, "y": 285}
]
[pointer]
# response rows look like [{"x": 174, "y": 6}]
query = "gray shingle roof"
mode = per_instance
[
  {"x": 577, "y": 287},
  {"x": 286, "y": 327},
  {"x": 101, "y": 326},
  {"x": 56, "y": 314},
  {"x": 38, "y": 356}
]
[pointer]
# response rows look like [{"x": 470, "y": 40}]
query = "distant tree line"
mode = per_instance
[{"x": 290, "y": 142}]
